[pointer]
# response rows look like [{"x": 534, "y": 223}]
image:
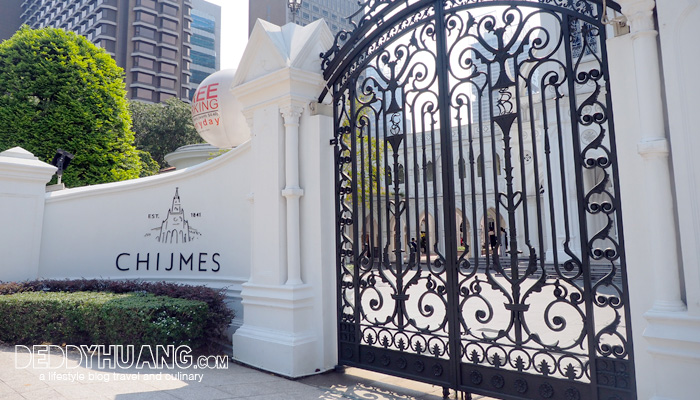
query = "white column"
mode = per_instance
[
  {"x": 654, "y": 149},
  {"x": 292, "y": 192}
]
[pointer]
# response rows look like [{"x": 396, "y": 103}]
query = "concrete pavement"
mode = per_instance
[{"x": 69, "y": 378}]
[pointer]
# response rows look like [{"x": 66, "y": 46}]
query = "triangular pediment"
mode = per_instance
[{"x": 271, "y": 48}]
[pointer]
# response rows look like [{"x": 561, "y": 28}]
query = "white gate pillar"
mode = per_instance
[
  {"x": 23, "y": 181},
  {"x": 288, "y": 313},
  {"x": 667, "y": 353},
  {"x": 653, "y": 146}
]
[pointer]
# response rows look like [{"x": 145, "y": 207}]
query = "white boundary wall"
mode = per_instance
[{"x": 111, "y": 230}]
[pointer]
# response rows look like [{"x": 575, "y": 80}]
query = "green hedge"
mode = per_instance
[
  {"x": 101, "y": 318},
  {"x": 218, "y": 318}
]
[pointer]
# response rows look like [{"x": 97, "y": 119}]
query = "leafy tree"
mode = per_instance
[
  {"x": 162, "y": 128},
  {"x": 58, "y": 90}
]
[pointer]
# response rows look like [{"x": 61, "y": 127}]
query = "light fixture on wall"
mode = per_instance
[
  {"x": 294, "y": 6},
  {"x": 61, "y": 161}
]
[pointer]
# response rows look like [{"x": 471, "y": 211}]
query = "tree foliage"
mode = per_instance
[
  {"x": 162, "y": 128},
  {"x": 58, "y": 90}
]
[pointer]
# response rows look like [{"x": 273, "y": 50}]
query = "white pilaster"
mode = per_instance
[
  {"x": 292, "y": 192},
  {"x": 654, "y": 148}
]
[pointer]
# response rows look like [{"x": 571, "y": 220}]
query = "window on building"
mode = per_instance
[
  {"x": 462, "y": 166},
  {"x": 108, "y": 45},
  {"x": 143, "y": 78},
  {"x": 168, "y": 24},
  {"x": 202, "y": 23},
  {"x": 429, "y": 172},
  {"x": 168, "y": 38},
  {"x": 144, "y": 47},
  {"x": 202, "y": 59},
  {"x": 146, "y": 3},
  {"x": 167, "y": 83},
  {"x": 145, "y": 17},
  {"x": 198, "y": 76},
  {"x": 143, "y": 62},
  {"x": 142, "y": 31},
  {"x": 167, "y": 68},
  {"x": 144, "y": 94},
  {"x": 202, "y": 41},
  {"x": 107, "y": 14},
  {"x": 109, "y": 30},
  {"x": 164, "y": 96},
  {"x": 167, "y": 9},
  {"x": 168, "y": 53}
]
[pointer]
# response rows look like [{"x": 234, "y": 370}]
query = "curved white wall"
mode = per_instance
[{"x": 111, "y": 230}]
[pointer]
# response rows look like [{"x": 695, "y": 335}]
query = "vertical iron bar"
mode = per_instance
[
  {"x": 448, "y": 192},
  {"x": 338, "y": 231}
]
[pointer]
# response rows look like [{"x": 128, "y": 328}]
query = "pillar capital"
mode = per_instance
[
  {"x": 291, "y": 114},
  {"x": 640, "y": 15}
]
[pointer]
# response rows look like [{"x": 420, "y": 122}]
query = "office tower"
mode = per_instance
[
  {"x": 335, "y": 12},
  {"x": 9, "y": 18},
  {"x": 150, "y": 39},
  {"x": 205, "y": 41}
]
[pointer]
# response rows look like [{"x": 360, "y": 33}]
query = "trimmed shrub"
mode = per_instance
[
  {"x": 218, "y": 316},
  {"x": 101, "y": 318}
]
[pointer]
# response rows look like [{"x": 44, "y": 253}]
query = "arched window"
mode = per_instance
[
  {"x": 480, "y": 165},
  {"x": 462, "y": 166},
  {"x": 429, "y": 172},
  {"x": 401, "y": 173}
]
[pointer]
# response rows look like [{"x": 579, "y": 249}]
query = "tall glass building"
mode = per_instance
[
  {"x": 205, "y": 41},
  {"x": 150, "y": 39}
]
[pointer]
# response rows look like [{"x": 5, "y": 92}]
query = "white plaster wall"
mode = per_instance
[
  {"x": 318, "y": 230},
  {"x": 679, "y": 30},
  {"x": 641, "y": 288},
  {"x": 86, "y": 229},
  {"x": 666, "y": 345}
]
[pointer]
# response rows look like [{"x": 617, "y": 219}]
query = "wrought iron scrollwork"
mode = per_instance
[{"x": 480, "y": 242}]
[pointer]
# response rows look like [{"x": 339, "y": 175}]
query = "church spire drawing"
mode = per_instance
[{"x": 175, "y": 228}]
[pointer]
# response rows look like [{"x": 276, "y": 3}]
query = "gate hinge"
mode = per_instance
[{"x": 334, "y": 141}]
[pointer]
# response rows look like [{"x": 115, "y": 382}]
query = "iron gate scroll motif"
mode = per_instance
[{"x": 478, "y": 219}]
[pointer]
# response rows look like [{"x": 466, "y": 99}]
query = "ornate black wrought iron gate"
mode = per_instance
[{"x": 478, "y": 219}]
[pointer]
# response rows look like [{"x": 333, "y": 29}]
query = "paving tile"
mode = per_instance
[
  {"x": 159, "y": 395},
  {"x": 203, "y": 393},
  {"x": 246, "y": 390},
  {"x": 11, "y": 396},
  {"x": 43, "y": 394}
]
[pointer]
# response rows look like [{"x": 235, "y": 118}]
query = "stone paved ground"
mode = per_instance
[{"x": 67, "y": 378}]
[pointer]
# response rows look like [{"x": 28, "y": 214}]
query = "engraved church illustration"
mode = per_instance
[{"x": 175, "y": 228}]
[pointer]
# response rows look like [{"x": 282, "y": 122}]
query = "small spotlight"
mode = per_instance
[{"x": 61, "y": 161}]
